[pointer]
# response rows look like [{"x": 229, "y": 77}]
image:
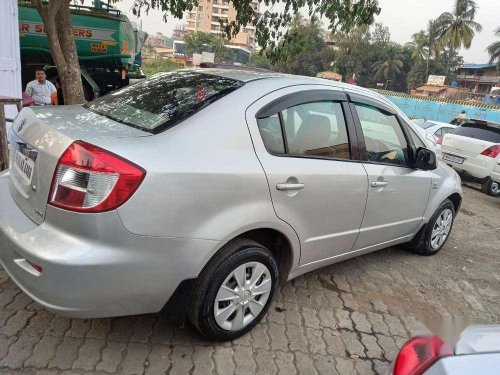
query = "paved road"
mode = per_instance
[{"x": 345, "y": 319}]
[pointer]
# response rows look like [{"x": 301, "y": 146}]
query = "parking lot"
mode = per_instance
[{"x": 347, "y": 318}]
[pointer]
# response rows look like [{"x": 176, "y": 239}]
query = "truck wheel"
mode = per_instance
[
  {"x": 437, "y": 230},
  {"x": 234, "y": 291},
  {"x": 491, "y": 187}
]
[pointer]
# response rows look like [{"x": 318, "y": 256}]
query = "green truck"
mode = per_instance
[{"x": 108, "y": 46}]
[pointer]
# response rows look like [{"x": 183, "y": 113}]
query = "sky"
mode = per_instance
[{"x": 402, "y": 17}]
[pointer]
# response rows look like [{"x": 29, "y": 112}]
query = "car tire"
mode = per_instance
[
  {"x": 491, "y": 187},
  {"x": 436, "y": 229},
  {"x": 234, "y": 291}
]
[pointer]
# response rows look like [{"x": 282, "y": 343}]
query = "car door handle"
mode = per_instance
[
  {"x": 379, "y": 183},
  {"x": 289, "y": 187}
]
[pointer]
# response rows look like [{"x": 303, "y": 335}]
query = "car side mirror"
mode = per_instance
[{"x": 425, "y": 159}]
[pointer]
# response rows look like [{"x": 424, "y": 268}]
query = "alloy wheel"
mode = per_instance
[
  {"x": 441, "y": 229},
  {"x": 242, "y": 296},
  {"x": 495, "y": 188}
]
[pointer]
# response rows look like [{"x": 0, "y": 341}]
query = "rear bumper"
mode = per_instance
[
  {"x": 479, "y": 167},
  {"x": 91, "y": 265}
]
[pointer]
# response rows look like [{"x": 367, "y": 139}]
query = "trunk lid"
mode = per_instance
[
  {"x": 39, "y": 137},
  {"x": 479, "y": 339},
  {"x": 457, "y": 144}
]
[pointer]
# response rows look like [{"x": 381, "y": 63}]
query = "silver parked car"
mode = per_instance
[{"x": 199, "y": 191}]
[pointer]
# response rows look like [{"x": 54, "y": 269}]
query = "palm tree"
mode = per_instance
[
  {"x": 494, "y": 49},
  {"x": 419, "y": 44},
  {"x": 314, "y": 22},
  {"x": 297, "y": 20},
  {"x": 457, "y": 29},
  {"x": 434, "y": 44},
  {"x": 390, "y": 65}
]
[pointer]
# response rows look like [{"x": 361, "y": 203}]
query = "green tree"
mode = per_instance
[
  {"x": 273, "y": 23},
  {"x": 353, "y": 49},
  {"x": 390, "y": 65},
  {"x": 198, "y": 42},
  {"x": 303, "y": 50},
  {"x": 494, "y": 49},
  {"x": 446, "y": 63},
  {"x": 456, "y": 29},
  {"x": 425, "y": 44},
  {"x": 417, "y": 76},
  {"x": 419, "y": 45},
  {"x": 380, "y": 34},
  {"x": 260, "y": 61},
  {"x": 434, "y": 44}
]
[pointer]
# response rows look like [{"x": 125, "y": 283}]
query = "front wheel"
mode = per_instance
[
  {"x": 438, "y": 229},
  {"x": 491, "y": 187},
  {"x": 234, "y": 291}
]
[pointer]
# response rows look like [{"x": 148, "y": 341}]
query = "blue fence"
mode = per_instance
[{"x": 443, "y": 111}]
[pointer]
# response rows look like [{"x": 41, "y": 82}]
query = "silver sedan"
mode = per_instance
[{"x": 199, "y": 191}]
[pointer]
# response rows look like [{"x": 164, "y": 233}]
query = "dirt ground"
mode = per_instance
[{"x": 348, "y": 318}]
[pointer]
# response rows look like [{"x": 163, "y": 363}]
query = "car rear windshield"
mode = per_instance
[
  {"x": 163, "y": 100},
  {"x": 482, "y": 132}
]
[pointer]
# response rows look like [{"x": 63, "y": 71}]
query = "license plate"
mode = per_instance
[
  {"x": 24, "y": 166},
  {"x": 453, "y": 159}
]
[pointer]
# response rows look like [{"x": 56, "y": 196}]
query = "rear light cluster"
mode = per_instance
[
  {"x": 492, "y": 152},
  {"x": 90, "y": 179},
  {"x": 420, "y": 353}
]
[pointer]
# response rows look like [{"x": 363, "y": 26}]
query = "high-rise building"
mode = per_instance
[{"x": 207, "y": 15}]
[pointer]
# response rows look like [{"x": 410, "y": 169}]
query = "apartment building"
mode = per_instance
[
  {"x": 479, "y": 78},
  {"x": 207, "y": 15}
]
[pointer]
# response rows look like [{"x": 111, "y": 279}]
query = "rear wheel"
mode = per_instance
[
  {"x": 437, "y": 230},
  {"x": 234, "y": 291},
  {"x": 491, "y": 187}
]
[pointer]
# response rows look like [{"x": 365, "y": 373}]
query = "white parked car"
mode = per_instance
[
  {"x": 434, "y": 129},
  {"x": 473, "y": 150}
]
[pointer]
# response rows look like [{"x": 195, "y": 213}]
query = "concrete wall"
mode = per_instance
[{"x": 443, "y": 111}]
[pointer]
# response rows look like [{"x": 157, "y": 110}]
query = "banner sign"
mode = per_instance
[
  {"x": 436, "y": 80},
  {"x": 35, "y": 28}
]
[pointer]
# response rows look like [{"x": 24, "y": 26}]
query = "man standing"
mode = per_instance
[{"x": 40, "y": 90}]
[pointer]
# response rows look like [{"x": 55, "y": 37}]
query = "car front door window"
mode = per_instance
[{"x": 384, "y": 139}]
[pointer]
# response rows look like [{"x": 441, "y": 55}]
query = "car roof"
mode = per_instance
[
  {"x": 440, "y": 123},
  {"x": 242, "y": 74},
  {"x": 249, "y": 74}
]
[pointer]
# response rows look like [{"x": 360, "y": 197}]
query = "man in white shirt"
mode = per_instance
[{"x": 40, "y": 89}]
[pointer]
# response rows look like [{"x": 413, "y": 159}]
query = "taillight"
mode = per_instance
[
  {"x": 492, "y": 152},
  {"x": 440, "y": 140},
  {"x": 419, "y": 353},
  {"x": 90, "y": 179}
]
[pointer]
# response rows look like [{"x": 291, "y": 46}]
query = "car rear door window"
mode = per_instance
[
  {"x": 316, "y": 129},
  {"x": 163, "y": 100},
  {"x": 272, "y": 136},
  {"x": 384, "y": 139}
]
